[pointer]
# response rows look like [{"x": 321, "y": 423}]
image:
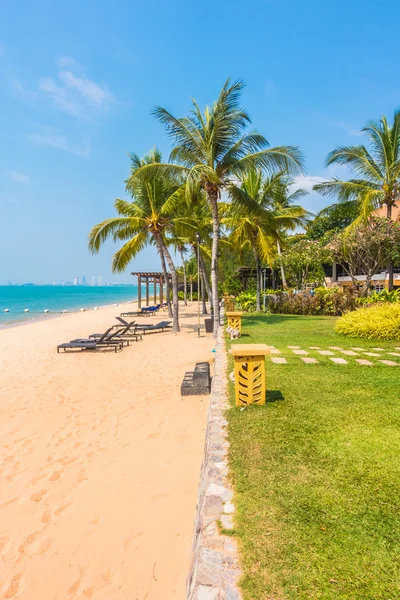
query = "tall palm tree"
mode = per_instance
[
  {"x": 260, "y": 211},
  {"x": 376, "y": 169},
  {"x": 144, "y": 220},
  {"x": 213, "y": 147}
]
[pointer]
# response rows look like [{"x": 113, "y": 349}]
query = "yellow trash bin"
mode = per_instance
[{"x": 249, "y": 373}]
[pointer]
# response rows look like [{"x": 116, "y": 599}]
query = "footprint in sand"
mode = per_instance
[
  {"x": 38, "y": 496},
  {"x": 12, "y": 589},
  {"x": 46, "y": 516},
  {"x": 30, "y": 540},
  {"x": 55, "y": 475},
  {"x": 59, "y": 511}
]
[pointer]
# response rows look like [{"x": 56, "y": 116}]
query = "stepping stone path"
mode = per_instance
[
  {"x": 325, "y": 352},
  {"x": 379, "y": 349},
  {"x": 279, "y": 360},
  {"x": 363, "y": 361},
  {"x": 371, "y": 354},
  {"x": 338, "y": 361},
  {"x": 308, "y": 360},
  {"x": 294, "y": 347},
  {"x": 394, "y": 353},
  {"x": 334, "y": 348},
  {"x": 389, "y": 363},
  {"x": 274, "y": 351},
  {"x": 314, "y": 347},
  {"x": 300, "y": 352},
  {"x": 349, "y": 353},
  {"x": 359, "y": 349}
]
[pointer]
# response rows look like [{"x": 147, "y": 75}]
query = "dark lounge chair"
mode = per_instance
[
  {"x": 124, "y": 333},
  {"x": 107, "y": 339},
  {"x": 156, "y": 327}
]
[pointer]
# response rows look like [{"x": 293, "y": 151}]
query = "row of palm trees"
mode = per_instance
[{"x": 223, "y": 184}]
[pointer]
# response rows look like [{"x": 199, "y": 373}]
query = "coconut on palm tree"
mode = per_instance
[
  {"x": 211, "y": 149},
  {"x": 376, "y": 169},
  {"x": 145, "y": 220}
]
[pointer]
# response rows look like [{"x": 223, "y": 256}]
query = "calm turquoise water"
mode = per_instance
[{"x": 55, "y": 299}]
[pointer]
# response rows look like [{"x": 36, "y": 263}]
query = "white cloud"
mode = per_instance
[
  {"x": 306, "y": 182},
  {"x": 70, "y": 91},
  {"x": 18, "y": 177},
  {"x": 56, "y": 138}
]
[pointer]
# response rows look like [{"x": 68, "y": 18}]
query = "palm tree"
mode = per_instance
[
  {"x": 376, "y": 169},
  {"x": 213, "y": 147},
  {"x": 143, "y": 221},
  {"x": 191, "y": 274},
  {"x": 260, "y": 211}
]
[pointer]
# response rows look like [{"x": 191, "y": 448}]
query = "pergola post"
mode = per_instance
[
  {"x": 147, "y": 291},
  {"x": 155, "y": 290},
  {"x": 161, "y": 290},
  {"x": 139, "y": 291}
]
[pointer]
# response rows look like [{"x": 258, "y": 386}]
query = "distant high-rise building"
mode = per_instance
[
  {"x": 100, "y": 280},
  {"x": 93, "y": 279},
  {"x": 76, "y": 280},
  {"x": 83, "y": 279}
]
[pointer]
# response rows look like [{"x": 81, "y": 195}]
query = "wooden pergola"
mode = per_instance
[{"x": 150, "y": 278}]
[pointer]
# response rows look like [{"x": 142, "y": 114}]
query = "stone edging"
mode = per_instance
[{"x": 214, "y": 569}]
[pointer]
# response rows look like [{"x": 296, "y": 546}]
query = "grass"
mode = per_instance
[{"x": 317, "y": 471}]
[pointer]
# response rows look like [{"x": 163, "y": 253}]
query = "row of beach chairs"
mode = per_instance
[
  {"x": 115, "y": 337},
  {"x": 145, "y": 311}
]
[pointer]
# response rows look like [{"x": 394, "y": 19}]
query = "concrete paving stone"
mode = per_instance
[
  {"x": 294, "y": 347},
  {"x": 274, "y": 351},
  {"x": 397, "y": 348},
  {"x": 308, "y": 360},
  {"x": 349, "y": 352},
  {"x": 379, "y": 349},
  {"x": 334, "y": 348},
  {"x": 314, "y": 347},
  {"x": 215, "y": 490},
  {"x": 325, "y": 352},
  {"x": 279, "y": 360},
  {"x": 300, "y": 352},
  {"x": 359, "y": 349},
  {"x": 371, "y": 354},
  {"x": 338, "y": 361},
  {"x": 229, "y": 508},
  {"x": 394, "y": 353},
  {"x": 206, "y": 592},
  {"x": 389, "y": 363},
  {"x": 226, "y": 521},
  {"x": 363, "y": 361}
]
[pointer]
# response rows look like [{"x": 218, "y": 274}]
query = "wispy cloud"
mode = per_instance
[
  {"x": 307, "y": 182},
  {"x": 69, "y": 91},
  {"x": 56, "y": 138},
  {"x": 17, "y": 177}
]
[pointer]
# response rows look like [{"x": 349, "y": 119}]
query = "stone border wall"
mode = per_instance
[{"x": 214, "y": 569}]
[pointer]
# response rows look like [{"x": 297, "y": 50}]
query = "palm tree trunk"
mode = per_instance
[
  {"x": 203, "y": 295},
  {"x": 191, "y": 290},
  {"x": 390, "y": 265},
  {"x": 258, "y": 270},
  {"x": 174, "y": 277},
  {"x": 165, "y": 273},
  {"x": 284, "y": 282},
  {"x": 184, "y": 276},
  {"x": 205, "y": 279},
  {"x": 212, "y": 195}
]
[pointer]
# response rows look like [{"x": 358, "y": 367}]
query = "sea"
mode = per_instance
[{"x": 17, "y": 300}]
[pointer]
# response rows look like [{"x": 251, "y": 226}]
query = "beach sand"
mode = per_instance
[{"x": 100, "y": 461}]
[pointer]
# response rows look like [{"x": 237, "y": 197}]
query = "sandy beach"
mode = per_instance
[{"x": 100, "y": 460}]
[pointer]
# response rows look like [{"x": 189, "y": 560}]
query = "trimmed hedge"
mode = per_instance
[{"x": 373, "y": 322}]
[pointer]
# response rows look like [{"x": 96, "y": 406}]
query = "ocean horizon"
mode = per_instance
[{"x": 57, "y": 300}]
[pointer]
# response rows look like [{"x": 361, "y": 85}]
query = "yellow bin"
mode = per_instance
[{"x": 249, "y": 373}]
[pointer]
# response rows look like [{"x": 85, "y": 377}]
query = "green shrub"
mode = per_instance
[
  {"x": 247, "y": 301},
  {"x": 322, "y": 301},
  {"x": 383, "y": 296},
  {"x": 374, "y": 322}
]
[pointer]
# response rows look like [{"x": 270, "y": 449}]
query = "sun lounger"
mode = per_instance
[
  {"x": 105, "y": 340},
  {"x": 125, "y": 334},
  {"x": 156, "y": 327}
]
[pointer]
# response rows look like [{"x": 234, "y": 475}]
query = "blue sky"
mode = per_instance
[{"x": 78, "y": 81}]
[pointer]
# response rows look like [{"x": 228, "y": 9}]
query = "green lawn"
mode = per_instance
[{"x": 317, "y": 471}]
